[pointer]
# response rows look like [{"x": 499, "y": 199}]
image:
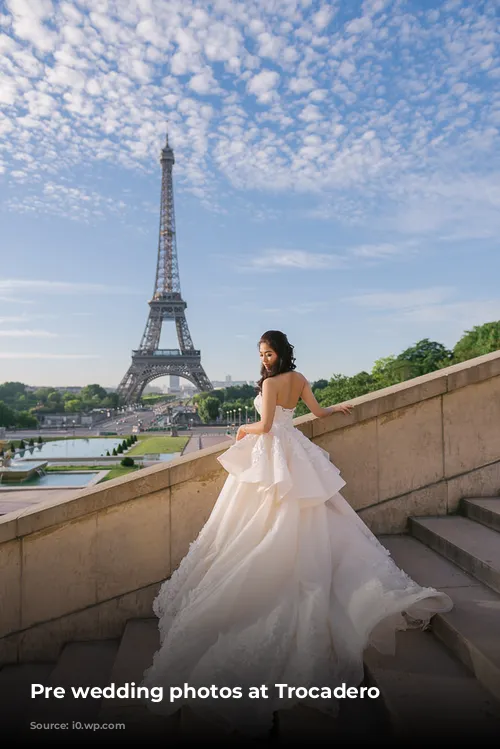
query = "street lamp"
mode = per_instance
[
  {"x": 239, "y": 416},
  {"x": 246, "y": 414}
]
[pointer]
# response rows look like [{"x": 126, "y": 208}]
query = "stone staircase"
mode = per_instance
[
  {"x": 458, "y": 686},
  {"x": 449, "y": 674}
]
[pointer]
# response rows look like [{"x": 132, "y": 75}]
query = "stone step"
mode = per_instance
[
  {"x": 18, "y": 709},
  {"x": 471, "y": 546},
  {"x": 425, "y": 689},
  {"x": 82, "y": 664},
  {"x": 138, "y": 645},
  {"x": 485, "y": 511},
  {"x": 470, "y": 629},
  {"x": 358, "y": 720}
]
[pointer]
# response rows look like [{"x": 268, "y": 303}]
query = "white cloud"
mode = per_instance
[
  {"x": 294, "y": 259},
  {"x": 402, "y": 300},
  {"x": 270, "y": 45},
  {"x": 346, "y": 69},
  {"x": 26, "y": 333},
  {"x": 359, "y": 25},
  {"x": 44, "y": 355},
  {"x": 323, "y": 16},
  {"x": 24, "y": 318},
  {"x": 383, "y": 250},
  {"x": 262, "y": 85},
  {"x": 93, "y": 84},
  {"x": 11, "y": 319},
  {"x": 28, "y": 20},
  {"x": 16, "y": 300},
  {"x": 300, "y": 85},
  {"x": 310, "y": 113},
  {"x": 465, "y": 314},
  {"x": 61, "y": 287},
  {"x": 203, "y": 83}
]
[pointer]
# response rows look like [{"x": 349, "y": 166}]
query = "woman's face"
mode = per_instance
[{"x": 268, "y": 357}]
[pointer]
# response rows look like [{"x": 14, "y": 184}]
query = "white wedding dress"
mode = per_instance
[{"x": 284, "y": 585}]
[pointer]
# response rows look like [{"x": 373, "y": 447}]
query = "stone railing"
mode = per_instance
[{"x": 79, "y": 569}]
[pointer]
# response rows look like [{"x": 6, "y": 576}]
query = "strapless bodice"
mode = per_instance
[{"x": 282, "y": 416}]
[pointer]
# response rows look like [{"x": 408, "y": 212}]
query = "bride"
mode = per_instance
[{"x": 285, "y": 584}]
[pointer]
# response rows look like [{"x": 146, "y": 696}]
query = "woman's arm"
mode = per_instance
[
  {"x": 269, "y": 398},
  {"x": 309, "y": 399}
]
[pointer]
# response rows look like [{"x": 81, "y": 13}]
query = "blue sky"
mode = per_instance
[{"x": 337, "y": 177}]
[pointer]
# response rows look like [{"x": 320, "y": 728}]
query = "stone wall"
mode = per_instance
[{"x": 80, "y": 568}]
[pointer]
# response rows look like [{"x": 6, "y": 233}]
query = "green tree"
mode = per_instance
[
  {"x": 7, "y": 415},
  {"x": 236, "y": 392},
  {"x": 482, "y": 339},
  {"x": 319, "y": 385},
  {"x": 198, "y": 397},
  {"x": 73, "y": 406},
  {"x": 10, "y": 391},
  {"x": 208, "y": 409},
  {"x": 42, "y": 394},
  {"x": 93, "y": 393},
  {"x": 340, "y": 388},
  {"x": 343, "y": 388},
  {"x": 55, "y": 402},
  {"x": 387, "y": 371},
  {"x": 424, "y": 357},
  {"x": 25, "y": 420}
]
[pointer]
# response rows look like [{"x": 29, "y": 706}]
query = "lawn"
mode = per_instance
[
  {"x": 117, "y": 471},
  {"x": 114, "y": 471},
  {"x": 154, "y": 445}
]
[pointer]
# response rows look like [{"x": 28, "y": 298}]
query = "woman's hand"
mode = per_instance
[
  {"x": 344, "y": 408},
  {"x": 240, "y": 434}
]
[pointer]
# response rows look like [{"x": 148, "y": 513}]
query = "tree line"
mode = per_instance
[
  {"x": 19, "y": 407},
  {"x": 423, "y": 357}
]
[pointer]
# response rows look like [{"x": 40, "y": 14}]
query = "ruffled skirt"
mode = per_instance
[{"x": 284, "y": 585}]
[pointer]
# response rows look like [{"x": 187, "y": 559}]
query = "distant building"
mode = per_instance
[
  {"x": 72, "y": 420},
  {"x": 218, "y": 384},
  {"x": 62, "y": 389},
  {"x": 153, "y": 390}
]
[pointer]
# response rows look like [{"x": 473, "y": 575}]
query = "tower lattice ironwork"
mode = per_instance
[{"x": 149, "y": 361}]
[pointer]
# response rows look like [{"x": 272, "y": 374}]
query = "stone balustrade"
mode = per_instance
[{"x": 80, "y": 568}]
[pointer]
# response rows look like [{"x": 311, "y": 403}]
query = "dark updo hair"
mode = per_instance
[{"x": 279, "y": 343}]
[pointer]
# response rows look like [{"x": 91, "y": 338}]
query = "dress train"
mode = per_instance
[{"x": 285, "y": 584}]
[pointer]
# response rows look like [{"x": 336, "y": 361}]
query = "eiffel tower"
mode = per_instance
[{"x": 149, "y": 361}]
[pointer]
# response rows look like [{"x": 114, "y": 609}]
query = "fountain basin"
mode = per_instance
[{"x": 22, "y": 471}]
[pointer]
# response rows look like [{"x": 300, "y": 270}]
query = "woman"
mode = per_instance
[{"x": 285, "y": 584}]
